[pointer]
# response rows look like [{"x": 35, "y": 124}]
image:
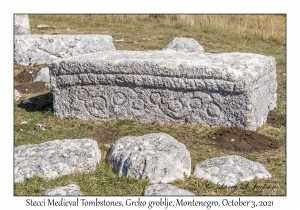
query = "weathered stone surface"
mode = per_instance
[
  {"x": 187, "y": 45},
  {"x": 44, "y": 48},
  {"x": 229, "y": 170},
  {"x": 165, "y": 189},
  {"x": 228, "y": 89},
  {"x": 17, "y": 95},
  {"x": 42, "y": 75},
  {"x": 71, "y": 189},
  {"x": 157, "y": 157},
  {"x": 21, "y": 24},
  {"x": 56, "y": 158}
]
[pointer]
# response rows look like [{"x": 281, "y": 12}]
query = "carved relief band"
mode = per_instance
[{"x": 228, "y": 89}]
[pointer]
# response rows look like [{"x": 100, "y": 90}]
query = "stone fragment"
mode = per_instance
[
  {"x": 52, "y": 159},
  {"x": 229, "y": 170},
  {"x": 42, "y": 26},
  {"x": 71, "y": 190},
  {"x": 187, "y": 45},
  {"x": 44, "y": 48},
  {"x": 42, "y": 75},
  {"x": 40, "y": 126},
  {"x": 157, "y": 157},
  {"x": 165, "y": 190},
  {"x": 227, "y": 89},
  {"x": 17, "y": 95},
  {"x": 21, "y": 24},
  {"x": 23, "y": 123},
  {"x": 26, "y": 101}
]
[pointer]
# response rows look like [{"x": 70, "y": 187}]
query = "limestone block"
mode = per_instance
[
  {"x": 21, "y": 24},
  {"x": 165, "y": 190},
  {"x": 44, "y": 48},
  {"x": 187, "y": 45},
  {"x": 157, "y": 157},
  {"x": 228, "y": 89},
  {"x": 229, "y": 170},
  {"x": 71, "y": 190},
  {"x": 52, "y": 159}
]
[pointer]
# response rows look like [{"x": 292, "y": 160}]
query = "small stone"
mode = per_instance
[
  {"x": 165, "y": 189},
  {"x": 40, "y": 126},
  {"x": 107, "y": 145},
  {"x": 42, "y": 26},
  {"x": 26, "y": 89},
  {"x": 24, "y": 122},
  {"x": 120, "y": 40},
  {"x": 21, "y": 129},
  {"x": 68, "y": 29},
  {"x": 232, "y": 140},
  {"x": 71, "y": 189},
  {"x": 284, "y": 74},
  {"x": 30, "y": 72},
  {"x": 26, "y": 101},
  {"x": 213, "y": 137}
]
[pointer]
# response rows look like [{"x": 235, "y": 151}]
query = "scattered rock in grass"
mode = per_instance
[
  {"x": 157, "y": 157},
  {"x": 42, "y": 75},
  {"x": 229, "y": 170},
  {"x": 71, "y": 189},
  {"x": 23, "y": 123},
  {"x": 243, "y": 140},
  {"x": 107, "y": 145},
  {"x": 52, "y": 159},
  {"x": 17, "y": 95},
  {"x": 165, "y": 189},
  {"x": 42, "y": 26},
  {"x": 68, "y": 29},
  {"x": 184, "y": 44},
  {"x": 26, "y": 101},
  {"x": 276, "y": 118},
  {"x": 40, "y": 126}
]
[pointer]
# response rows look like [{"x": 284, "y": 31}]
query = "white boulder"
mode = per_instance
[
  {"x": 229, "y": 170},
  {"x": 52, "y": 159},
  {"x": 157, "y": 157}
]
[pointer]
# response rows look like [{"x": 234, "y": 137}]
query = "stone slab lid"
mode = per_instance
[{"x": 170, "y": 63}]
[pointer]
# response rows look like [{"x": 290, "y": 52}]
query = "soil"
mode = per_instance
[
  {"x": 27, "y": 73},
  {"x": 243, "y": 140},
  {"x": 276, "y": 118},
  {"x": 34, "y": 87}
]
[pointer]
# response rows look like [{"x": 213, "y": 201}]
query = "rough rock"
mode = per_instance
[
  {"x": 71, "y": 189},
  {"x": 44, "y": 48},
  {"x": 165, "y": 190},
  {"x": 17, "y": 95},
  {"x": 52, "y": 159},
  {"x": 21, "y": 24},
  {"x": 229, "y": 170},
  {"x": 227, "y": 89},
  {"x": 187, "y": 45},
  {"x": 157, "y": 157},
  {"x": 42, "y": 75}
]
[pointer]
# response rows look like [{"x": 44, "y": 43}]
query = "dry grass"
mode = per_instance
[{"x": 266, "y": 27}]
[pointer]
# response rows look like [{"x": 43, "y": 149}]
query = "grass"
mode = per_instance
[{"x": 262, "y": 34}]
